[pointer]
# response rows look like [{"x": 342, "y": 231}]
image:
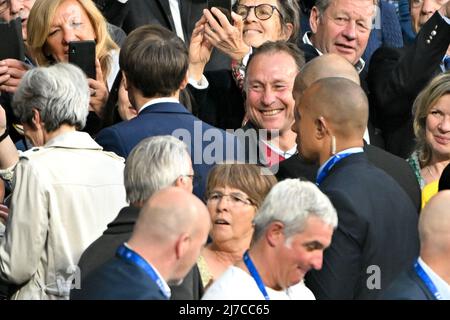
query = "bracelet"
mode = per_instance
[{"x": 4, "y": 135}]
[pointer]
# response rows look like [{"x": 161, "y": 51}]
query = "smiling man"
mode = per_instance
[{"x": 271, "y": 73}]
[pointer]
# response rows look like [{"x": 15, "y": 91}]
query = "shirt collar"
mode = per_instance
[
  {"x": 442, "y": 287},
  {"x": 359, "y": 66},
  {"x": 158, "y": 100},
  {"x": 73, "y": 140}
]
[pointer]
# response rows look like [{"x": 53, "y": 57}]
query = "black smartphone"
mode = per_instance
[
  {"x": 222, "y": 5},
  {"x": 11, "y": 43},
  {"x": 82, "y": 54}
]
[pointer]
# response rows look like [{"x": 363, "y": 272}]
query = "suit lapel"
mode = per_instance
[{"x": 164, "y": 4}]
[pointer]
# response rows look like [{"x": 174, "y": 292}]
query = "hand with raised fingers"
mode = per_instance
[
  {"x": 99, "y": 91},
  {"x": 11, "y": 73}
]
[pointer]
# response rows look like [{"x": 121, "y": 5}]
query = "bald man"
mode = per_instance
[
  {"x": 171, "y": 229},
  {"x": 429, "y": 277},
  {"x": 377, "y": 230},
  {"x": 333, "y": 65}
]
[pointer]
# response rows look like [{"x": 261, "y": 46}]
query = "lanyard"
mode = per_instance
[
  {"x": 426, "y": 279},
  {"x": 322, "y": 174},
  {"x": 131, "y": 256},
  {"x": 254, "y": 273}
]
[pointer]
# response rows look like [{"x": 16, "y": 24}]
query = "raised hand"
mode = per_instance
[{"x": 99, "y": 91}]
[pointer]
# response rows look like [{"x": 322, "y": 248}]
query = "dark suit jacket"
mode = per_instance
[
  {"x": 136, "y": 13},
  {"x": 222, "y": 103},
  {"x": 119, "y": 231},
  {"x": 407, "y": 286},
  {"x": 397, "y": 168},
  {"x": 172, "y": 119},
  {"x": 377, "y": 228},
  {"x": 396, "y": 76},
  {"x": 118, "y": 279}
]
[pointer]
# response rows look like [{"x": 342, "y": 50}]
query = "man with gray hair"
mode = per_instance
[
  {"x": 155, "y": 163},
  {"x": 289, "y": 240},
  {"x": 65, "y": 191}
]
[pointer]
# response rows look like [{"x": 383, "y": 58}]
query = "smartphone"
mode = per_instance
[
  {"x": 222, "y": 5},
  {"x": 82, "y": 54},
  {"x": 11, "y": 43}
]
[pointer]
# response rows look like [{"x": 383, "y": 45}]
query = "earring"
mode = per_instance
[{"x": 333, "y": 145}]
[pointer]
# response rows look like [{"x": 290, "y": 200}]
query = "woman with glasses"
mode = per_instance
[
  {"x": 254, "y": 22},
  {"x": 234, "y": 193}
]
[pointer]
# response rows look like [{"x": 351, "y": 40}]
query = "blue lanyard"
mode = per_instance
[
  {"x": 322, "y": 174},
  {"x": 426, "y": 279},
  {"x": 254, "y": 273},
  {"x": 131, "y": 256}
]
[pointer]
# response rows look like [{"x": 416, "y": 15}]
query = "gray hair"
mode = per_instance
[
  {"x": 60, "y": 93},
  {"x": 155, "y": 163},
  {"x": 304, "y": 200}
]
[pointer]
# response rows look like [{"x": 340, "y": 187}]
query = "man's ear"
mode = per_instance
[
  {"x": 125, "y": 80},
  {"x": 185, "y": 81},
  {"x": 314, "y": 19},
  {"x": 321, "y": 127},
  {"x": 275, "y": 233},
  {"x": 182, "y": 245}
]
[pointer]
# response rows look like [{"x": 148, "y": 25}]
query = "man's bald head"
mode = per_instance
[
  {"x": 341, "y": 102},
  {"x": 325, "y": 66},
  {"x": 434, "y": 223},
  {"x": 168, "y": 214}
]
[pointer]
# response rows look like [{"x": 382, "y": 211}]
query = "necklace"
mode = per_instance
[{"x": 431, "y": 173}]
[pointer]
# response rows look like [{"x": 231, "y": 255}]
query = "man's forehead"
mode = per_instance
[{"x": 365, "y": 8}]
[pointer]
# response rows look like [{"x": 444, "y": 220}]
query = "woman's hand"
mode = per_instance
[
  {"x": 11, "y": 73},
  {"x": 199, "y": 50},
  {"x": 99, "y": 91},
  {"x": 224, "y": 36}
]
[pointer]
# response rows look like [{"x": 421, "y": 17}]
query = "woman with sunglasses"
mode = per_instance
[
  {"x": 234, "y": 193},
  {"x": 254, "y": 22}
]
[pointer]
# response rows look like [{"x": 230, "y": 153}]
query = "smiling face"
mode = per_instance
[
  {"x": 437, "y": 130},
  {"x": 303, "y": 252},
  {"x": 422, "y": 10},
  {"x": 70, "y": 23},
  {"x": 343, "y": 28},
  {"x": 270, "y": 78},
  {"x": 231, "y": 216},
  {"x": 256, "y": 31}
]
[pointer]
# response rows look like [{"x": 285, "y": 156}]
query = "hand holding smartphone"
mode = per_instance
[{"x": 82, "y": 54}]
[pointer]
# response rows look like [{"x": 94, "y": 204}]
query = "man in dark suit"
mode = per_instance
[
  {"x": 154, "y": 62},
  {"x": 131, "y": 14},
  {"x": 429, "y": 278},
  {"x": 333, "y": 65},
  {"x": 343, "y": 27},
  {"x": 377, "y": 229},
  {"x": 396, "y": 76},
  {"x": 168, "y": 156},
  {"x": 171, "y": 229}
]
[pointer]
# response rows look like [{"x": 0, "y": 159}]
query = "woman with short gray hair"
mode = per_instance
[{"x": 66, "y": 190}]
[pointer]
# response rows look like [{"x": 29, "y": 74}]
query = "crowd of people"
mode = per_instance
[{"x": 299, "y": 150}]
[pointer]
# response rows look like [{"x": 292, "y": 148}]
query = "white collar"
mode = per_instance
[
  {"x": 158, "y": 100},
  {"x": 442, "y": 287}
]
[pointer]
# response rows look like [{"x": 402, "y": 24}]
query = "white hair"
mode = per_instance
[{"x": 292, "y": 202}]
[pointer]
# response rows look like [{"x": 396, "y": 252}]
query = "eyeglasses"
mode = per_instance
[
  {"x": 262, "y": 11},
  {"x": 235, "y": 199}
]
